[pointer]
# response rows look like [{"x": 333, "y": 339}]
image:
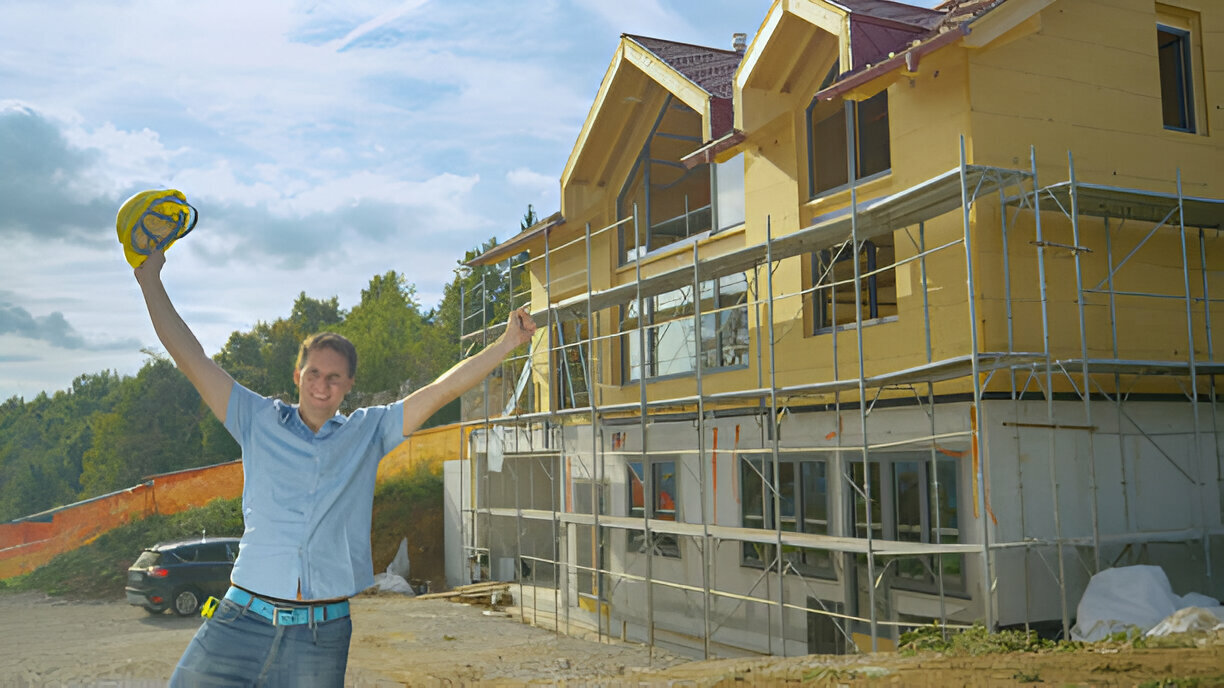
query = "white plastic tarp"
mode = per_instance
[
  {"x": 1119, "y": 599},
  {"x": 395, "y": 579}
]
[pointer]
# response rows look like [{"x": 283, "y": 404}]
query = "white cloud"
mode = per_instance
[
  {"x": 545, "y": 188},
  {"x": 313, "y": 169}
]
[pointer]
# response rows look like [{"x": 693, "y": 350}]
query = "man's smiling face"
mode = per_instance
[{"x": 323, "y": 381}]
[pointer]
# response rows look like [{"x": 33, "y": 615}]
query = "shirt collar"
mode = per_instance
[{"x": 288, "y": 414}]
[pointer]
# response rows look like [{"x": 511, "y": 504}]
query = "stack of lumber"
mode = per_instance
[{"x": 482, "y": 594}]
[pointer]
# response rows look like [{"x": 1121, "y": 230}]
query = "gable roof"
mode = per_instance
[
  {"x": 710, "y": 69},
  {"x": 700, "y": 77}
]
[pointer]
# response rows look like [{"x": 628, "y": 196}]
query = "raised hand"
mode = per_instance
[{"x": 520, "y": 327}]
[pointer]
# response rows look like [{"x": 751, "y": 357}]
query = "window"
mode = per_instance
[
  {"x": 832, "y": 274},
  {"x": 827, "y": 141},
  {"x": 585, "y": 495},
  {"x": 907, "y": 501},
  {"x": 214, "y": 552},
  {"x": 1176, "y": 78},
  {"x": 1179, "y": 49},
  {"x": 670, "y": 337},
  {"x": 663, "y": 505},
  {"x": 672, "y": 201},
  {"x": 729, "y": 192},
  {"x": 570, "y": 364},
  {"x": 803, "y": 501}
]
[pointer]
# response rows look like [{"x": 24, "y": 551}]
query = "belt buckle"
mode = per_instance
[{"x": 276, "y": 612}]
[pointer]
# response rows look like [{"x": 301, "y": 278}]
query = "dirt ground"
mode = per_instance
[{"x": 404, "y": 641}]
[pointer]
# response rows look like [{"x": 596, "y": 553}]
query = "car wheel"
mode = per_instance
[{"x": 186, "y": 601}]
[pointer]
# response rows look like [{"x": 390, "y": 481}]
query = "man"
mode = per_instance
[{"x": 307, "y": 498}]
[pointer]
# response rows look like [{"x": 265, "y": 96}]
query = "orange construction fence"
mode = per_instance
[{"x": 29, "y": 542}]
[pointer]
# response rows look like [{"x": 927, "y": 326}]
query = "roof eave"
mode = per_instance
[
  {"x": 518, "y": 242},
  {"x": 907, "y": 61}
]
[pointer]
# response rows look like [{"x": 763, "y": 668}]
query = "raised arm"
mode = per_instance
[
  {"x": 213, "y": 383},
  {"x": 426, "y": 401}
]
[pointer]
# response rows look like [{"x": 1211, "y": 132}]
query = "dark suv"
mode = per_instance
[{"x": 181, "y": 575}]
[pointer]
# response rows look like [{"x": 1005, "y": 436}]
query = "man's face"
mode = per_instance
[{"x": 322, "y": 381}]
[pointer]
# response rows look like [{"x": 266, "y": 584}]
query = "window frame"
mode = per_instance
[
  {"x": 648, "y": 364},
  {"x": 702, "y": 217},
  {"x": 570, "y": 377},
  {"x": 821, "y": 272},
  {"x": 1184, "y": 78},
  {"x": 813, "y": 120},
  {"x": 664, "y": 544},
  {"x": 886, "y": 516},
  {"x": 805, "y": 561}
]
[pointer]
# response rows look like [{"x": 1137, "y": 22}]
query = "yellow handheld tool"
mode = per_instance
[{"x": 209, "y": 607}]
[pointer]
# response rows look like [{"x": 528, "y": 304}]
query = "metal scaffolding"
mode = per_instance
[{"x": 560, "y": 552}]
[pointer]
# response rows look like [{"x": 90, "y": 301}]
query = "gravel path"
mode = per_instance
[{"x": 396, "y": 641}]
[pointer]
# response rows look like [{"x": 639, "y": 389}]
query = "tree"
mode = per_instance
[
  {"x": 391, "y": 339},
  {"x": 529, "y": 218},
  {"x": 154, "y": 428},
  {"x": 264, "y": 358},
  {"x": 43, "y": 442}
]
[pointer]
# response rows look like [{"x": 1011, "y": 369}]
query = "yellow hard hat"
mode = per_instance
[{"x": 153, "y": 220}]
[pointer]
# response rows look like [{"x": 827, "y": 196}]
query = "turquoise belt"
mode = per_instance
[{"x": 282, "y": 614}]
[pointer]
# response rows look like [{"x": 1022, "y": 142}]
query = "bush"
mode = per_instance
[{"x": 975, "y": 640}]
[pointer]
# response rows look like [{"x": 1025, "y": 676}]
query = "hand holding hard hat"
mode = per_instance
[{"x": 152, "y": 221}]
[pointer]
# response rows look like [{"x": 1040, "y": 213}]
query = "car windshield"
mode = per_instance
[{"x": 147, "y": 558}]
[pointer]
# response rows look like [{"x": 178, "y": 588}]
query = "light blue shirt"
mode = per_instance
[{"x": 307, "y": 497}]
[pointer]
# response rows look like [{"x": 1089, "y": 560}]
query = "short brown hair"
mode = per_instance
[{"x": 333, "y": 341}]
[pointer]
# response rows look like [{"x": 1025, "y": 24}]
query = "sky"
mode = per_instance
[{"x": 322, "y": 143}]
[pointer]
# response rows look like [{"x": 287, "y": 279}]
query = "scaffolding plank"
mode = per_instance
[
  {"x": 1133, "y": 367},
  {"x": 1137, "y": 204}
]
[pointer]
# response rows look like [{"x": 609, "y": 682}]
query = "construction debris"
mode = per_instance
[{"x": 494, "y": 594}]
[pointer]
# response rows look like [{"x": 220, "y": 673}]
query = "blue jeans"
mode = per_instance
[{"x": 237, "y": 647}]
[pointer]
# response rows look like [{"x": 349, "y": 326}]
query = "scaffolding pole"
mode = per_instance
[{"x": 774, "y": 402}]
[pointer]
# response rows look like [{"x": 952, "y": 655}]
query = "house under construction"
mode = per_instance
[{"x": 891, "y": 316}]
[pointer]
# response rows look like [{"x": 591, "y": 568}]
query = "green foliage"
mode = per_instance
[
  {"x": 98, "y": 570},
  {"x": 486, "y": 291},
  {"x": 43, "y": 444},
  {"x": 264, "y": 358},
  {"x": 975, "y": 640},
  {"x": 393, "y": 343},
  {"x": 413, "y": 487},
  {"x": 154, "y": 427}
]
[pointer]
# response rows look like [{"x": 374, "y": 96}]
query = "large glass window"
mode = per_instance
[
  {"x": 910, "y": 503},
  {"x": 662, "y": 504},
  {"x": 670, "y": 336},
  {"x": 833, "y": 276},
  {"x": 803, "y": 507},
  {"x": 827, "y": 142},
  {"x": 672, "y": 201}
]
